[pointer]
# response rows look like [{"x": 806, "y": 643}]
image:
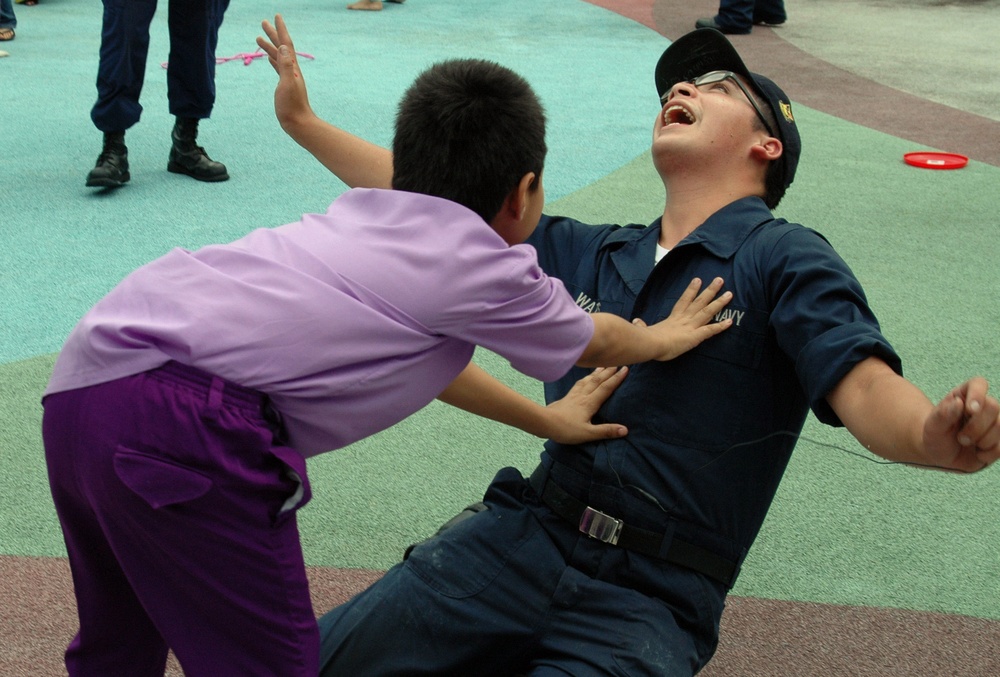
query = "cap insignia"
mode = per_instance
[{"x": 786, "y": 110}]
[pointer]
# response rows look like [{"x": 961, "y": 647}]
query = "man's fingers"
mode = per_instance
[
  {"x": 976, "y": 415},
  {"x": 982, "y": 429},
  {"x": 945, "y": 417}
]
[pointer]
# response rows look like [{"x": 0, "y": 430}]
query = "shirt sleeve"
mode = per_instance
[
  {"x": 821, "y": 316},
  {"x": 562, "y": 243},
  {"x": 507, "y": 304}
]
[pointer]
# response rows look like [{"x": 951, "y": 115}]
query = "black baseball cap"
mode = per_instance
[{"x": 705, "y": 50}]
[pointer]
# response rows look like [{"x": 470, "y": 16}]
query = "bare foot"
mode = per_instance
[{"x": 370, "y": 5}]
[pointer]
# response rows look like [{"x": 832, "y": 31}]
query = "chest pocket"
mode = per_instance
[
  {"x": 705, "y": 398},
  {"x": 741, "y": 345}
]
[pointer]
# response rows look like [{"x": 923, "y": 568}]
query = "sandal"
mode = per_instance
[{"x": 6, "y": 34}]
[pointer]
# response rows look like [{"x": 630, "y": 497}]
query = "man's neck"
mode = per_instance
[{"x": 689, "y": 206}]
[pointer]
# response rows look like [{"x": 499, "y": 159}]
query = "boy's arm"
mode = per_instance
[
  {"x": 617, "y": 342},
  {"x": 891, "y": 417},
  {"x": 353, "y": 160},
  {"x": 567, "y": 420}
]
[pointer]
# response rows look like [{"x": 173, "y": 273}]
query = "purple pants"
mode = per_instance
[{"x": 177, "y": 504}]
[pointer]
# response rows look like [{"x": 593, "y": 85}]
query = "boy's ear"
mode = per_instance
[
  {"x": 517, "y": 201},
  {"x": 508, "y": 220},
  {"x": 508, "y": 223}
]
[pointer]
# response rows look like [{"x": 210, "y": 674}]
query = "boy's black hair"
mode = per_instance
[{"x": 468, "y": 130}]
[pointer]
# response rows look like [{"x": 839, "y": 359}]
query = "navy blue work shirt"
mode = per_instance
[{"x": 710, "y": 432}]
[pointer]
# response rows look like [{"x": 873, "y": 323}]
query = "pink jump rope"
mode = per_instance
[{"x": 247, "y": 57}]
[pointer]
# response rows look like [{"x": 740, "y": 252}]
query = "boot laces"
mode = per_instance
[{"x": 109, "y": 154}]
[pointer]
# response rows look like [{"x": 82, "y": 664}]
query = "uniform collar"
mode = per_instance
[
  {"x": 725, "y": 230},
  {"x": 632, "y": 249}
]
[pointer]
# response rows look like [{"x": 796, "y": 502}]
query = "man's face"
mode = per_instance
[{"x": 716, "y": 115}]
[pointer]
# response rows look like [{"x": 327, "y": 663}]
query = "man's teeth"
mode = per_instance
[{"x": 677, "y": 114}]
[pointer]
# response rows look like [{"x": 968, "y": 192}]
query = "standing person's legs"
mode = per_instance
[
  {"x": 179, "y": 519},
  {"x": 120, "y": 75},
  {"x": 769, "y": 12},
  {"x": 122, "y": 67},
  {"x": 194, "y": 35},
  {"x": 735, "y": 16},
  {"x": 7, "y": 18}
]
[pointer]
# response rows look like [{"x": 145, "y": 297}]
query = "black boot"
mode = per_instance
[
  {"x": 111, "y": 170},
  {"x": 187, "y": 157}
]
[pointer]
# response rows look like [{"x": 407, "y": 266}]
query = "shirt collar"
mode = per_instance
[
  {"x": 721, "y": 234},
  {"x": 725, "y": 230}
]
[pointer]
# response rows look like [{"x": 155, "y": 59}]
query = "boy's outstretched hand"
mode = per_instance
[
  {"x": 570, "y": 417},
  {"x": 291, "y": 102},
  {"x": 690, "y": 321}
]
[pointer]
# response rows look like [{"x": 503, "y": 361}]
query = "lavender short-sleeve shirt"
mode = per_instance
[{"x": 349, "y": 320}]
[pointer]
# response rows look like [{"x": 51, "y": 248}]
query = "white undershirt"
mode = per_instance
[{"x": 660, "y": 252}]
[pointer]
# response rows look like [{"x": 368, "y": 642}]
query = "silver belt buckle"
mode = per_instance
[{"x": 598, "y": 525}]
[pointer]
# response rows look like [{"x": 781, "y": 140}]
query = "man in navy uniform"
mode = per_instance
[{"x": 615, "y": 557}]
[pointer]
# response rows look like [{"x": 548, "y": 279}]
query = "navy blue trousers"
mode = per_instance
[
  {"x": 743, "y": 14},
  {"x": 194, "y": 34},
  {"x": 515, "y": 590},
  {"x": 7, "y": 18}
]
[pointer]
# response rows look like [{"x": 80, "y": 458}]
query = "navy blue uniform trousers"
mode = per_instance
[
  {"x": 194, "y": 34},
  {"x": 516, "y": 590},
  {"x": 743, "y": 14}
]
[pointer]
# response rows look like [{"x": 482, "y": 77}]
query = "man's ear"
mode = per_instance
[{"x": 767, "y": 150}]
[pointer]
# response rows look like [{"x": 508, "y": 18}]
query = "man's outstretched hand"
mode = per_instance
[{"x": 963, "y": 430}]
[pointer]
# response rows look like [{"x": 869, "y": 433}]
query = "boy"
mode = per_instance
[{"x": 184, "y": 404}]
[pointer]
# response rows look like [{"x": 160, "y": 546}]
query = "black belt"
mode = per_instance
[{"x": 613, "y": 531}]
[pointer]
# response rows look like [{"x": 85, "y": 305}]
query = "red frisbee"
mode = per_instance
[{"x": 932, "y": 160}]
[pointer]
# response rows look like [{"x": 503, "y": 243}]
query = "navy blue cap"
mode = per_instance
[{"x": 705, "y": 50}]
